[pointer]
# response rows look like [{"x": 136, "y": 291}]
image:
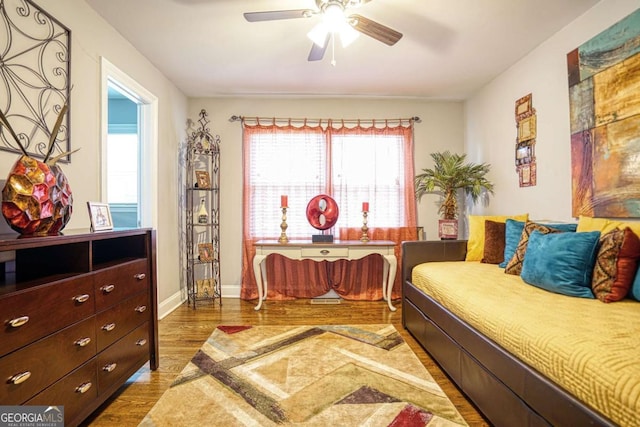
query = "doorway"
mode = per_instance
[{"x": 129, "y": 150}]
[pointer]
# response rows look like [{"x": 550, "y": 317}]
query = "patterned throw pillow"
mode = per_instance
[
  {"x": 616, "y": 265},
  {"x": 514, "y": 266},
  {"x": 494, "y": 240}
]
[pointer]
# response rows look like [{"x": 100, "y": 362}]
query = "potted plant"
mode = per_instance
[{"x": 450, "y": 174}]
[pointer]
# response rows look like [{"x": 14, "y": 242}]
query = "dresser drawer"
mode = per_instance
[
  {"x": 35, "y": 313},
  {"x": 325, "y": 252},
  {"x": 116, "y": 322},
  {"x": 75, "y": 391},
  {"x": 28, "y": 370},
  {"x": 114, "y": 284},
  {"x": 118, "y": 360}
]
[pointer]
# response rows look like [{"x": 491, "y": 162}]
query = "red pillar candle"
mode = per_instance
[
  {"x": 365, "y": 206},
  {"x": 284, "y": 201}
]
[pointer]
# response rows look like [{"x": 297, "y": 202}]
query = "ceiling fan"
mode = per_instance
[{"x": 334, "y": 21}]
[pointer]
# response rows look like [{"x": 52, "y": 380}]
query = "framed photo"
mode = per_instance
[
  {"x": 205, "y": 251},
  {"x": 523, "y": 107},
  {"x": 527, "y": 175},
  {"x": 524, "y": 153},
  {"x": 100, "y": 216},
  {"x": 527, "y": 129},
  {"x": 202, "y": 179}
]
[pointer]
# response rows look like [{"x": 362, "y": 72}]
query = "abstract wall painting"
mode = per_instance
[{"x": 604, "y": 97}]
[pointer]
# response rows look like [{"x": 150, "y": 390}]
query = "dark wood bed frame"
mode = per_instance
[{"x": 507, "y": 391}]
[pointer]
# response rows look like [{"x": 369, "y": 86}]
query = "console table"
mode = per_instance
[{"x": 345, "y": 249}]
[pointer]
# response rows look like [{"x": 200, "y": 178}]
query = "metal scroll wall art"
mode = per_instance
[
  {"x": 526, "y": 142},
  {"x": 35, "y": 64}
]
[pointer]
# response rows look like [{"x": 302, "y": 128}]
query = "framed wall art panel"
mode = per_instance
[{"x": 604, "y": 97}]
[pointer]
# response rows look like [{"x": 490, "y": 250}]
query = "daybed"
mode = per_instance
[{"x": 523, "y": 355}]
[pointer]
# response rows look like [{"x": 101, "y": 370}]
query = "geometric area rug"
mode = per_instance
[{"x": 358, "y": 375}]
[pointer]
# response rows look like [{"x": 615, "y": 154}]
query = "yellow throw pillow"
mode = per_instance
[
  {"x": 604, "y": 225},
  {"x": 586, "y": 223},
  {"x": 475, "y": 244}
]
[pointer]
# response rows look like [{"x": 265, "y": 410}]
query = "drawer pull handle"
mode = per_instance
[
  {"x": 110, "y": 367},
  {"x": 140, "y": 276},
  {"x": 109, "y": 327},
  {"x": 141, "y": 308},
  {"x": 18, "y": 321},
  {"x": 108, "y": 288},
  {"x": 83, "y": 388},
  {"x": 81, "y": 298},
  {"x": 324, "y": 252},
  {"x": 82, "y": 342},
  {"x": 19, "y": 378},
  {"x": 141, "y": 342}
]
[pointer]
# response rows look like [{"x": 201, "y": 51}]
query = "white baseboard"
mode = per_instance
[
  {"x": 168, "y": 305},
  {"x": 232, "y": 291},
  {"x": 176, "y": 300}
]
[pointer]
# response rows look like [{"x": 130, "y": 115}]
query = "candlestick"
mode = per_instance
[
  {"x": 365, "y": 236},
  {"x": 283, "y": 226},
  {"x": 365, "y": 206},
  {"x": 284, "y": 201}
]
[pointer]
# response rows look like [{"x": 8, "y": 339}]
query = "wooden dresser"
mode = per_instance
[{"x": 78, "y": 314}]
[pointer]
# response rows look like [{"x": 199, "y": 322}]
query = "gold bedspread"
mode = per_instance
[{"x": 590, "y": 348}]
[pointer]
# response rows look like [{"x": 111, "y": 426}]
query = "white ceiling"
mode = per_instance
[{"x": 450, "y": 48}]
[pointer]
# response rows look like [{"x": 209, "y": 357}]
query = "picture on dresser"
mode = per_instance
[{"x": 100, "y": 216}]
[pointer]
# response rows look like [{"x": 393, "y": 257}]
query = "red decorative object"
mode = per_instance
[
  {"x": 284, "y": 201},
  {"x": 322, "y": 212},
  {"x": 36, "y": 198},
  {"x": 365, "y": 206}
]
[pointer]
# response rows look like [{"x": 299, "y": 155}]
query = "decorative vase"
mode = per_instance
[{"x": 36, "y": 198}]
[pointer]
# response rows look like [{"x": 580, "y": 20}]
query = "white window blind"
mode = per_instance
[{"x": 352, "y": 167}]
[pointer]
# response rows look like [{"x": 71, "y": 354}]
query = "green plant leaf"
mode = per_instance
[{"x": 450, "y": 174}]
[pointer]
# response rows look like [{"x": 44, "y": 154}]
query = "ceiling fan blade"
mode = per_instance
[
  {"x": 277, "y": 14},
  {"x": 317, "y": 52},
  {"x": 373, "y": 29}
]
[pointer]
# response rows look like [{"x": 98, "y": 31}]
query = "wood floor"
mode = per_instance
[{"x": 184, "y": 330}]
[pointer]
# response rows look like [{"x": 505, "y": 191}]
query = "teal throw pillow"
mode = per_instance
[
  {"x": 561, "y": 262},
  {"x": 513, "y": 233},
  {"x": 634, "y": 292},
  {"x": 564, "y": 227}
]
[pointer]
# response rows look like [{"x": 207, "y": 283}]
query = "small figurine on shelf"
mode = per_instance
[{"x": 203, "y": 215}]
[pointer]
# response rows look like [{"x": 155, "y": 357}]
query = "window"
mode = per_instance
[{"x": 352, "y": 165}]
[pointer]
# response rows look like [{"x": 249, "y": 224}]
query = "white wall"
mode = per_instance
[
  {"x": 490, "y": 130},
  {"x": 92, "y": 38},
  {"x": 441, "y": 128}
]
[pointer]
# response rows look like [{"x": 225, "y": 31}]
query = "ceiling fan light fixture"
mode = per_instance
[
  {"x": 333, "y": 17},
  {"x": 318, "y": 34},
  {"x": 348, "y": 35}
]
